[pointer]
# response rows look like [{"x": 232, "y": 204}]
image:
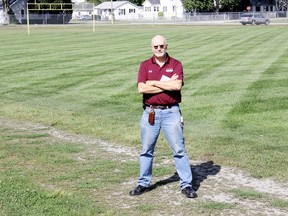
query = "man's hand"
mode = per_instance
[
  {"x": 174, "y": 77},
  {"x": 154, "y": 82},
  {"x": 148, "y": 88},
  {"x": 155, "y": 86}
]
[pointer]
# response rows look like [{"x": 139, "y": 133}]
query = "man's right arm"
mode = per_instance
[
  {"x": 144, "y": 88},
  {"x": 153, "y": 87}
]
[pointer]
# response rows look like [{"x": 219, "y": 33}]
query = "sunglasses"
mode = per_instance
[{"x": 161, "y": 46}]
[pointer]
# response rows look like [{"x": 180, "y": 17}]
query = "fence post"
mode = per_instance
[{"x": 27, "y": 18}]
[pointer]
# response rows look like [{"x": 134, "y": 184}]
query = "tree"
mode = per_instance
[
  {"x": 281, "y": 5},
  {"x": 230, "y": 5},
  {"x": 96, "y": 2},
  {"x": 137, "y": 2},
  {"x": 244, "y": 4},
  {"x": 4, "y": 19},
  {"x": 215, "y": 5},
  {"x": 189, "y": 5},
  {"x": 198, "y": 5}
]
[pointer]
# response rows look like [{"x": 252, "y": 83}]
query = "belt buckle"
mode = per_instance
[{"x": 163, "y": 107}]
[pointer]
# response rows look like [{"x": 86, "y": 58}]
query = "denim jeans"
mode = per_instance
[{"x": 169, "y": 120}]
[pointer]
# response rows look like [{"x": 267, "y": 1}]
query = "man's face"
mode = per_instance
[{"x": 159, "y": 47}]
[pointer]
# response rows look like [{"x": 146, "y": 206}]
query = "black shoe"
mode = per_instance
[
  {"x": 139, "y": 190},
  {"x": 189, "y": 192}
]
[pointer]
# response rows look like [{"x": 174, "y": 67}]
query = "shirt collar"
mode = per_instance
[{"x": 166, "y": 60}]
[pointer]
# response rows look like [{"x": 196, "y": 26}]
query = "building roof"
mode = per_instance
[
  {"x": 154, "y": 2},
  {"x": 83, "y": 6},
  {"x": 115, "y": 4}
]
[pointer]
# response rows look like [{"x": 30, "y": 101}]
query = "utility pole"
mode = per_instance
[
  {"x": 112, "y": 16},
  {"x": 286, "y": 4}
]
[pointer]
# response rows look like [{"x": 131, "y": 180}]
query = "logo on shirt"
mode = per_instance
[
  {"x": 169, "y": 70},
  {"x": 149, "y": 71}
]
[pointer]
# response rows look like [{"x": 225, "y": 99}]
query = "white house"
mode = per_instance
[
  {"x": 82, "y": 8},
  {"x": 168, "y": 9},
  {"x": 122, "y": 10}
]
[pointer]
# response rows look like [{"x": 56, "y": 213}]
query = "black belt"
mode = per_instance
[{"x": 162, "y": 107}]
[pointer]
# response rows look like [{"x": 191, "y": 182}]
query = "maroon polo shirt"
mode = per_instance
[{"x": 150, "y": 70}]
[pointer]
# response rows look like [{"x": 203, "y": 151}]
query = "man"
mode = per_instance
[{"x": 160, "y": 80}]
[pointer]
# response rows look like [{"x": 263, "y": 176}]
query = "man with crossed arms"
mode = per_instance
[{"x": 160, "y": 79}]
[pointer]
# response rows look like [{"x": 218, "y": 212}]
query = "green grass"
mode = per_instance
[
  {"x": 234, "y": 98},
  {"x": 212, "y": 206},
  {"x": 247, "y": 194},
  {"x": 54, "y": 177},
  {"x": 234, "y": 101},
  {"x": 22, "y": 198},
  {"x": 35, "y": 177},
  {"x": 250, "y": 194},
  {"x": 279, "y": 203}
]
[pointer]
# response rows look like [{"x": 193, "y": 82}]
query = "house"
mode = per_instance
[
  {"x": 271, "y": 8},
  {"x": 168, "y": 9},
  {"x": 122, "y": 10},
  {"x": 263, "y": 5},
  {"x": 82, "y": 9}
]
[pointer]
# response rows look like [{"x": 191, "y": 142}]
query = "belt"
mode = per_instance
[{"x": 162, "y": 107}]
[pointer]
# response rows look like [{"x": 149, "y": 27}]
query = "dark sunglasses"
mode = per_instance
[{"x": 161, "y": 46}]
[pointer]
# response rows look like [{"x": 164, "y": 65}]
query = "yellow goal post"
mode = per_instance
[{"x": 59, "y": 7}]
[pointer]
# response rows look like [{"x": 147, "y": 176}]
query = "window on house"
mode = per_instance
[
  {"x": 173, "y": 8},
  {"x": 164, "y": 9},
  {"x": 131, "y": 10},
  {"x": 271, "y": 8},
  {"x": 156, "y": 9},
  {"x": 121, "y": 11},
  {"x": 147, "y": 9}
]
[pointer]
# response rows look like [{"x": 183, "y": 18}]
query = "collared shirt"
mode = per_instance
[{"x": 150, "y": 70}]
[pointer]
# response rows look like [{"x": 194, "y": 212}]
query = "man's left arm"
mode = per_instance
[{"x": 174, "y": 84}]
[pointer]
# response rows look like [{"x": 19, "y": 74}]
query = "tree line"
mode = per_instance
[{"x": 215, "y": 6}]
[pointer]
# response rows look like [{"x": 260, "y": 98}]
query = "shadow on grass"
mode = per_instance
[{"x": 199, "y": 171}]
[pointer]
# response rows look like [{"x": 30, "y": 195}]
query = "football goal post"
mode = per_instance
[{"x": 42, "y": 12}]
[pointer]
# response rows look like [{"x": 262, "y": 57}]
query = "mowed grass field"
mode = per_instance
[{"x": 235, "y": 106}]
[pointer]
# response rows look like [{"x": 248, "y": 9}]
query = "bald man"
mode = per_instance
[{"x": 160, "y": 79}]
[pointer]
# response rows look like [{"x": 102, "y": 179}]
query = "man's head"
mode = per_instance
[{"x": 159, "y": 46}]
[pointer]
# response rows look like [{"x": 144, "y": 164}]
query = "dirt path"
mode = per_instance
[{"x": 212, "y": 182}]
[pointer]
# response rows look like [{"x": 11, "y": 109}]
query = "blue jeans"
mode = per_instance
[{"x": 169, "y": 120}]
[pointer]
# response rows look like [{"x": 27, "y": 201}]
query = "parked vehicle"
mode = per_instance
[
  {"x": 85, "y": 17},
  {"x": 254, "y": 19}
]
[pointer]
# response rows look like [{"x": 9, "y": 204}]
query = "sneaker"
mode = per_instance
[
  {"x": 189, "y": 192},
  {"x": 139, "y": 190}
]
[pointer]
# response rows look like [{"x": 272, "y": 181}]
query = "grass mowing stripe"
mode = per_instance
[{"x": 259, "y": 113}]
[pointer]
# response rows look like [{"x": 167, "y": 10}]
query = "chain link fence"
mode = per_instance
[{"x": 62, "y": 18}]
